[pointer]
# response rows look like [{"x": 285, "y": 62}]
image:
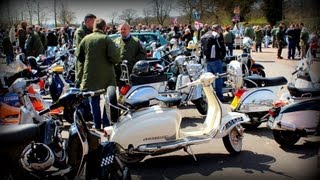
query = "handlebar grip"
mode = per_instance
[
  {"x": 93, "y": 93},
  {"x": 44, "y": 111},
  {"x": 31, "y": 81},
  {"x": 100, "y": 91},
  {"x": 182, "y": 87},
  {"x": 295, "y": 72}
]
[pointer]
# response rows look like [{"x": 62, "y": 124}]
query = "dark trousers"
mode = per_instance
[
  {"x": 96, "y": 112},
  {"x": 230, "y": 48},
  {"x": 291, "y": 49},
  {"x": 279, "y": 49},
  {"x": 258, "y": 46}
]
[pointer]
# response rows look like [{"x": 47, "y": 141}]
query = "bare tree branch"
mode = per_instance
[
  {"x": 128, "y": 15},
  {"x": 161, "y": 9}
]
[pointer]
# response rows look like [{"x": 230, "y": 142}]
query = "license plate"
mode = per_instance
[
  {"x": 270, "y": 122},
  {"x": 235, "y": 102}
]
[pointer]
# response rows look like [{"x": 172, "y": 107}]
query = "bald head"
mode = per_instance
[{"x": 124, "y": 29}]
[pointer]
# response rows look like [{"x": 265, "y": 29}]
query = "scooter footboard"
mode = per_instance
[{"x": 231, "y": 120}]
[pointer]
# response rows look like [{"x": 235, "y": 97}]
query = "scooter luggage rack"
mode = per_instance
[{"x": 124, "y": 72}]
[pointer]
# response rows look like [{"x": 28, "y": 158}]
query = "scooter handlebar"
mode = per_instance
[{"x": 44, "y": 111}]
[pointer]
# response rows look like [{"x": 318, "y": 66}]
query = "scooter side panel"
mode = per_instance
[
  {"x": 308, "y": 119},
  {"x": 257, "y": 100},
  {"x": 151, "y": 125}
]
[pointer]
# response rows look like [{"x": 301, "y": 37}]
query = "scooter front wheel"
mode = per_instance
[
  {"x": 285, "y": 138},
  {"x": 233, "y": 141}
]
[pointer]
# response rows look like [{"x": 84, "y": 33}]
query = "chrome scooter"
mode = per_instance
[
  {"x": 256, "y": 98},
  {"x": 155, "y": 130},
  {"x": 298, "y": 119}
]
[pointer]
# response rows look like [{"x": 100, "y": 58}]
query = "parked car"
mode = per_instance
[{"x": 145, "y": 37}]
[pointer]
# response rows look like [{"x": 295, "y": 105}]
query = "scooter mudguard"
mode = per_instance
[
  {"x": 197, "y": 93},
  {"x": 259, "y": 100},
  {"x": 229, "y": 121},
  {"x": 152, "y": 125},
  {"x": 149, "y": 91},
  {"x": 302, "y": 115},
  {"x": 145, "y": 92},
  {"x": 257, "y": 66}
]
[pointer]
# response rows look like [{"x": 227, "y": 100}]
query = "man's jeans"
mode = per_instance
[
  {"x": 216, "y": 67},
  {"x": 291, "y": 49},
  {"x": 96, "y": 112}
]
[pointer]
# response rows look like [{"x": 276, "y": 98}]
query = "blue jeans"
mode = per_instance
[
  {"x": 96, "y": 112},
  {"x": 216, "y": 67},
  {"x": 9, "y": 58},
  {"x": 291, "y": 49},
  {"x": 230, "y": 48}
]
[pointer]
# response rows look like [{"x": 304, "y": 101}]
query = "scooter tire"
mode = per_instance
[
  {"x": 260, "y": 72},
  {"x": 114, "y": 113},
  {"x": 201, "y": 105},
  {"x": 230, "y": 143},
  {"x": 285, "y": 138}
]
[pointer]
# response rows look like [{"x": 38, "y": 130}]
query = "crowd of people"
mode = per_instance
[{"x": 98, "y": 57}]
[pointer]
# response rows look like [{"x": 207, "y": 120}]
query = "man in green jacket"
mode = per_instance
[
  {"x": 33, "y": 44},
  {"x": 98, "y": 54},
  {"x": 130, "y": 48},
  {"x": 81, "y": 32}
]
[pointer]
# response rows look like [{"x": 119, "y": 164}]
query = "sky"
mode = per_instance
[{"x": 101, "y": 8}]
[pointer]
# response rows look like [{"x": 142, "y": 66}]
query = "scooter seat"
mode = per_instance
[
  {"x": 136, "y": 103},
  {"x": 18, "y": 134},
  {"x": 300, "y": 92},
  {"x": 258, "y": 81},
  {"x": 169, "y": 101}
]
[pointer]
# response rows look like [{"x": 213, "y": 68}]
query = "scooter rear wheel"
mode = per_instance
[
  {"x": 233, "y": 141},
  {"x": 285, "y": 138}
]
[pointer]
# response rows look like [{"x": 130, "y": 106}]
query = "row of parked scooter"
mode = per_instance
[{"x": 145, "y": 114}]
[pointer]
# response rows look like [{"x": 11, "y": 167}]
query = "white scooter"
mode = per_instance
[
  {"x": 256, "y": 98},
  {"x": 153, "y": 130}
]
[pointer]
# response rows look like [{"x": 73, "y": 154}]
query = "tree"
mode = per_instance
[
  {"x": 161, "y": 9},
  {"x": 128, "y": 15},
  {"x": 273, "y": 10},
  {"x": 66, "y": 16},
  {"x": 29, "y": 4},
  {"x": 55, "y": 12},
  {"x": 113, "y": 17},
  {"x": 146, "y": 14},
  {"x": 187, "y": 7}
]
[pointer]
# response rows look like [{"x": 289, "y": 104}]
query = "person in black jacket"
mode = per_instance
[
  {"x": 215, "y": 52},
  {"x": 291, "y": 33}
]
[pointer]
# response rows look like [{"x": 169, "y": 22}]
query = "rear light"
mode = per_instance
[
  {"x": 240, "y": 92},
  {"x": 273, "y": 112},
  {"x": 124, "y": 89},
  {"x": 41, "y": 84}
]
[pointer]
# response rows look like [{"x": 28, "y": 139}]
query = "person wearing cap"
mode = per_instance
[
  {"x": 42, "y": 36},
  {"x": 33, "y": 44},
  {"x": 215, "y": 52},
  {"x": 98, "y": 54},
  {"x": 228, "y": 38},
  {"x": 81, "y": 32},
  {"x": 187, "y": 36}
]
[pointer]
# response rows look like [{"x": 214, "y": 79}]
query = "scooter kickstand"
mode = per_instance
[{"x": 190, "y": 153}]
